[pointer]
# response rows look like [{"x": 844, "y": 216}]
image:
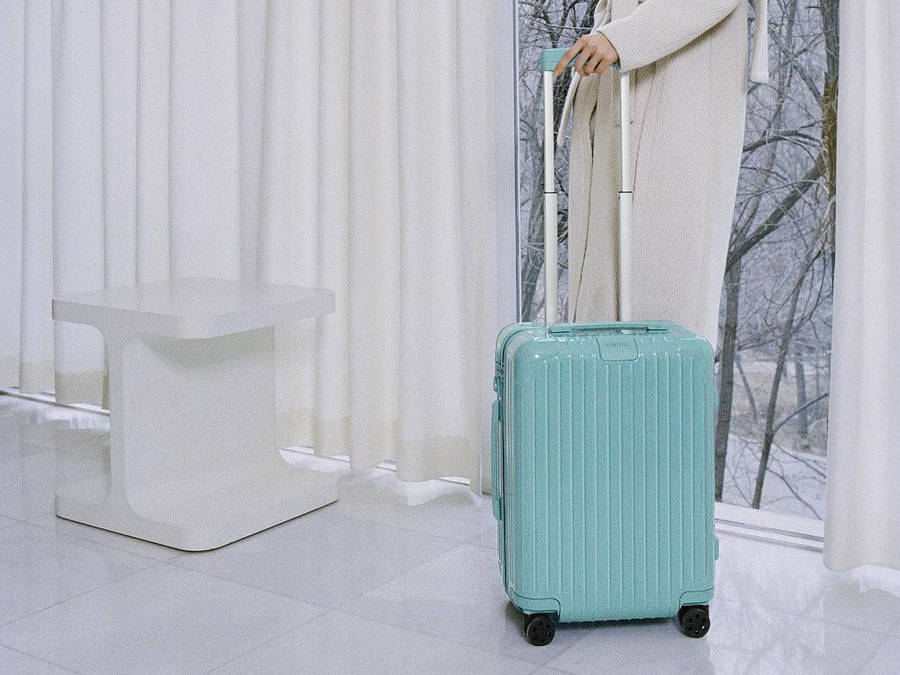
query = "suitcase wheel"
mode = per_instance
[
  {"x": 694, "y": 620},
  {"x": 539, "y": 629}
]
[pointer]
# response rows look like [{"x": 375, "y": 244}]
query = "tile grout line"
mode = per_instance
[
  {"x": 871, "y": 659},
  {"x": 399, "y": 527},
  {"x": 391, "y": 580},
  {"x": 97, "y": 543},
  {"x": 172, "y": 563},
  {"x": 156, "y": 564},
  {"x": 274, "y": 637},
  {"x": 807, "y": 617},
  {"x": 443, "y": 639},
  {"x": 337, "y": 610},
  {"x": 79, "y": 538},
  {"x": 342, "y": 608},
  {"x": 6, "y": 624},
  {"x": 40, "y": 658},
  {"x": 256, "y": 589}
]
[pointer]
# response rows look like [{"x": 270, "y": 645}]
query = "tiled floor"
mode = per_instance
[{"x": 394, "y": 578}]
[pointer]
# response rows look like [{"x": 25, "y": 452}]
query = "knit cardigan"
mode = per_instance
[{"x": 688, "y": 60}]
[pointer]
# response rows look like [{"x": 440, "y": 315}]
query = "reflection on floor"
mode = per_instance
[{"x": 394, "y": 578}]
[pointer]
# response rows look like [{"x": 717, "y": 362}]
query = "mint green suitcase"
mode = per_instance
[{"x": 602, "y": 460}]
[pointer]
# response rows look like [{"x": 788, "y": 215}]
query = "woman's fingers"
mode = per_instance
[
  {"x": 599, "y": 66},
  {"x": 568, "y": 56},
  {"x": 582, "y": 61},
  {"x": 595, "y": 54},
  {"x": 594, "y": 62}
]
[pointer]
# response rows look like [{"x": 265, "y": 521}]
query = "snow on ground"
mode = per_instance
[{"x": 794, "y": 483}]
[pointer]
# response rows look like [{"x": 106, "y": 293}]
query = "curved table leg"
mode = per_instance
[{"x": 193, "y": 458}]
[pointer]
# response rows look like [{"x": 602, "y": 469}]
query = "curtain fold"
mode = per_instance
[
  {"x": 863, "y": 501},
  {"x": 335, "y": 144}
]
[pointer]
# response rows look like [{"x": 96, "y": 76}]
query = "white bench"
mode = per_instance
[{"x": 193, "y": 458}]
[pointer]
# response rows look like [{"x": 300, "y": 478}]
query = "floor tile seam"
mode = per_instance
[
  {"x": 489, "y": 547},
  {"x": 98, "y": 587},
  {"x": 862, "y": 667},
  {"x": 322, "y": 609},
  {"x": 31, "y": 521},
  {"x": 320, "y": 615},
  {"x": 413, "y": 530},
  {"x": 552, "y": 669},
  {"x": 444, "y": 639},
  {"x": 895, "y": 626},
  {"x": 337, "y": 610},
  {"x": 341, "y": 605},
  {"x": 578, "y": 639},
  {"x": 257, "y": 589},
  {"x": 278, "y": 635},
  {"x": 392, "y": 580},
  {"x": 39, "y": 658},
  {"x": 77, "y": 538},
  {"x": 499, "y": 650},
  {"x": 28, "y": 515},
  {"x": 15, "y": 521}
]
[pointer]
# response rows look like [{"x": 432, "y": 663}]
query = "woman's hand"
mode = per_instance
[{"x": 595, "y": 55}]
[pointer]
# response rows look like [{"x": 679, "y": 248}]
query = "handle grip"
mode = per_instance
[
  {"x": 550, "y": 57},
  {"x": 496, "y": 449},
  {"x": 617, "y": 327}
]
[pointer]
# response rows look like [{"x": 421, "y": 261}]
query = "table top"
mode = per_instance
[{"x": 193, "y": 308}]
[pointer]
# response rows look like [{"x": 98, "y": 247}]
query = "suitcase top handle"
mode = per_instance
[{"x": 624, "y": 327}]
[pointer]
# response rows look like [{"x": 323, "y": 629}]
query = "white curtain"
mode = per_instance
[
  {"x": 862, "y": 522},
  {"x": 340, "y": 144}
]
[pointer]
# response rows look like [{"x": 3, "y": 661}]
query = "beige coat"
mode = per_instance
[{"x": 689, "y": 71}]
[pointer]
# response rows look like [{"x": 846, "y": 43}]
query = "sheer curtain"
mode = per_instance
[
  {"x": 863, "y": 500},
  {"x": 342, "y": 144}
]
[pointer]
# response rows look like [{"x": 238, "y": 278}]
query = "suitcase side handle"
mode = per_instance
[
  {"x": 617, "y": 327},
  {"x": 496, "y": 449}
]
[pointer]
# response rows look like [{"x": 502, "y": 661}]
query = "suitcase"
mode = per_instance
[{"x": 602, "y": 453}]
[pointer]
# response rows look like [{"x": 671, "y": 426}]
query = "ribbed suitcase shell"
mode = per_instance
[{"x": 603, "y": 469}]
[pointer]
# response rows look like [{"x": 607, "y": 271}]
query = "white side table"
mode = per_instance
[{"x": 193, "y": 459}]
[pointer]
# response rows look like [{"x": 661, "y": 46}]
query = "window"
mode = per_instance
[{"x": 775, "y": 323}]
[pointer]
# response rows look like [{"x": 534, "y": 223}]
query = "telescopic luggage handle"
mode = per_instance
[{"x": 549, "y": 59}]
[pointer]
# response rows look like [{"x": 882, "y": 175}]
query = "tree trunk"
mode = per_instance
[
  {"x": 726, "y": 372},
  {"x": 802, "y": 415},
  {"x": 816, "y": 414},
  {"x": 783, "y": 348},
  {"x": 751, "y": 399},
  {"x": 829, "y": 10}
]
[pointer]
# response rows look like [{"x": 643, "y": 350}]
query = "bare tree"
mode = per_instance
[{"x": 776, "y": 304}]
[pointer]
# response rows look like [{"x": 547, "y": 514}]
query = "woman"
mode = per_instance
[{"x": 688, "y": 60}]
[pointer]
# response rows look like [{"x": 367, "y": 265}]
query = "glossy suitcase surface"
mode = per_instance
[
  {"x": 603, "y": 469},
  {"x": 602, "y": 456}
]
